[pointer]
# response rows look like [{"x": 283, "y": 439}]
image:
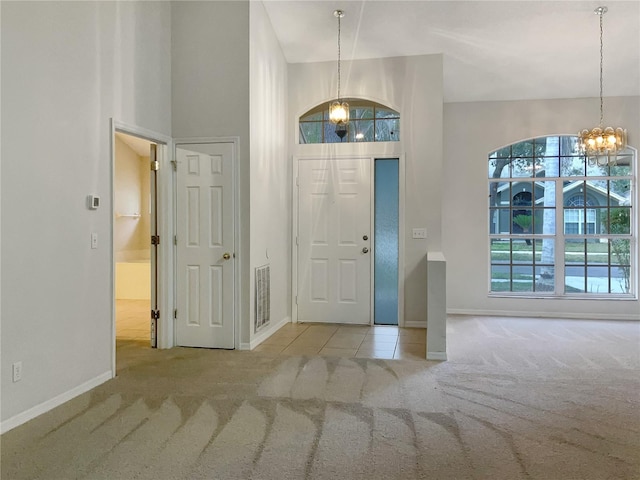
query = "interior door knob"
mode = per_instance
[
  {"x": 365, "y": 250},
  {"x": 226, "y": 256}
]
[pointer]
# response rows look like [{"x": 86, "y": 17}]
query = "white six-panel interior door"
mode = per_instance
[
  {"x": 334, "y": 240},
  {"x": 205, "y": 245}
]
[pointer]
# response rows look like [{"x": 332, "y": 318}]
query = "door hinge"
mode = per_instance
[
  {"x": 155, "y": 239},
  {"x": 296, "y": 299},
  {"x": 297, "y": 181},
  {"x": 155, "y": 165},
  {"x": 155, "y": 314},
  {"x": 297, "y": 241},
  {"x": 174, "y": 164},
  {"x": 175, "y": 239},
  {"x": 175, "y": 313}
]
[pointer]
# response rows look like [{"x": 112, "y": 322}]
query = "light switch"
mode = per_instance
[
  {"x": 419, "y": 233},
  {"x": 94, "y": 240}
]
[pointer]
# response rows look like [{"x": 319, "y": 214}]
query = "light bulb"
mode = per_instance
[
  {"x": 338, "y": 112},
  {"x": 611, "y": 139},
  {"x": 591, "y": 142},
  {"x": 599, "y": 139}
]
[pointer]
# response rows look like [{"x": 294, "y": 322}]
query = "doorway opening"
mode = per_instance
[
  {"x": 386, "y": 234},
  {"x": 133, "y": 254}
]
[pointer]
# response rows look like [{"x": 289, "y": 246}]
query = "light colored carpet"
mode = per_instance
[{"x": 518, "y": 399}]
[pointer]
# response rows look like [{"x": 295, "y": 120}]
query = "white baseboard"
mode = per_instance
[
  {"x": 44, "y": 407},
  {"x": 440, "y": 356},
  {"x": 264, "y": 334},
  {"x": 568, "y": 315},
  {"x": 415, "y": 324}
]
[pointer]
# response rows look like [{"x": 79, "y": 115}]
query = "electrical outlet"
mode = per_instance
[
  {"x": 17, "y": 371},
  {"x": 419, "y": 233},
  {"x": 94, "y": 240}
]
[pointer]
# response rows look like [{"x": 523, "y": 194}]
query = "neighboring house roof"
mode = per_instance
[
  {"x": 571, "y": 186},
  {"x": 602, "y": 191}
]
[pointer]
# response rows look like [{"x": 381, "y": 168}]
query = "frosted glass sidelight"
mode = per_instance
[{"x": 386, "y": 242}]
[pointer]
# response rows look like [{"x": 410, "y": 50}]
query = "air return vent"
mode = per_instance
[{"x": 263, "y": 297}]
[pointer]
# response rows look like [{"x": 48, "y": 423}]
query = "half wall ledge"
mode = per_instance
[{"x": 436, "y": 306}]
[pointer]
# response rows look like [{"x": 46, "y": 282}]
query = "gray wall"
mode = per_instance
[
  {"x": 270, "y": 168},
  {"x": 67, "y": 67},
  {"x": 210, "y": 95},
  {"x": 472, "y": 130}
]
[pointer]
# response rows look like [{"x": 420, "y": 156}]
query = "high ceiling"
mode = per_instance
[{"x": 492, "y": 50}]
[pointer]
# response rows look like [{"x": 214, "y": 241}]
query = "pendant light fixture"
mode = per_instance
[
  {"x": 339, "y": 110},
  {"x": 601, "y": 144}
]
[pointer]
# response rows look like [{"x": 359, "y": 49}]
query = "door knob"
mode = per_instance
[
  {"x": 226, "y": 256},
  {"x": 365, "y": 250},
  {"x": 365, "y": 237}
]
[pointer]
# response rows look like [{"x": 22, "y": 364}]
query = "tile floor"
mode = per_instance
[
  {"x": 132, "y": 323},
  {"x": 347, "y": 341}
]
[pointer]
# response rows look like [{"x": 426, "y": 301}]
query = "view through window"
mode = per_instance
[{"x": 368, "y": 122}]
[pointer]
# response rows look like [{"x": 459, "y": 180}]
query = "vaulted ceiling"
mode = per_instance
[{"x": 492, "y": 50}]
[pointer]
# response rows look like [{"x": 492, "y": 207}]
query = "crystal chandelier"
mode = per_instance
[
  {"x": 339, "y": 110},
  {"x": 601, "y": 144}
]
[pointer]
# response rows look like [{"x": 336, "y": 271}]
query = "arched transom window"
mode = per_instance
[{"x": 368, "y": 122}]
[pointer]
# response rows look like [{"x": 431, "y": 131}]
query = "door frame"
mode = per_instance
[
  {"x": 164, "y": 207},
  {"x": 237, "y": 241},
  {"x": 401, "y": 227}
]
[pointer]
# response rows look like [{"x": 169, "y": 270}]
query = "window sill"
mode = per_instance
[{"x": 585, "y": 296}]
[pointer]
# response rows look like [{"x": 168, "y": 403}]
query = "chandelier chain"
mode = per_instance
[
  {"x": 601, "y": 81},
  {"x": 601, "y": 145}
]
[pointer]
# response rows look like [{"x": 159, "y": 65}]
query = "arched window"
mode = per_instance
[
  {"x": 368, "y": 122},
  {"x": 559, "y": 225}
]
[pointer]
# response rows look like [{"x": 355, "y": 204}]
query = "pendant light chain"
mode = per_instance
[
  {"x": 339, "y": 110},
  {"x": 339, "y": 17}
]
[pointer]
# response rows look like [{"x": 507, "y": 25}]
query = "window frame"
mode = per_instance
[{"x": 617, "y": 274}]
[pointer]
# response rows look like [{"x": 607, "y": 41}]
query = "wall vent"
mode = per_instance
[{"x": 263, "y": 297}]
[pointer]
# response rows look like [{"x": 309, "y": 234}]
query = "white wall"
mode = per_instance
[
  {"x": 67, "y": 67},
  {"x": 413, "y": 86},
  {"x": 270, "y": 192},
  {"x": 472, "y": 130},
  {"x": 210, "y": 95},
  {"x": 131, "y": 187}
]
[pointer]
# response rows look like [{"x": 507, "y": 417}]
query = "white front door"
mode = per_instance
[
  {"x": 205, "y": 245},
  {"x": 334, "y": 240}
]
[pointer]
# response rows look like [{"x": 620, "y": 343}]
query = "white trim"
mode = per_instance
[
  {"x": 438, "y": 356},
  {"x": 237, "y": 264},
  {"x": 165, "y": 228},
  {"x": 294, "y": 237},
  {"x": 415, "y": 324},
  {"x": 567, "y": 315},
  {"x": 402, "y": 181},
  {"x": 372, "y": 237},
  {"x": 266, "y": 333},
  {"x": 54, "y": 402}
]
